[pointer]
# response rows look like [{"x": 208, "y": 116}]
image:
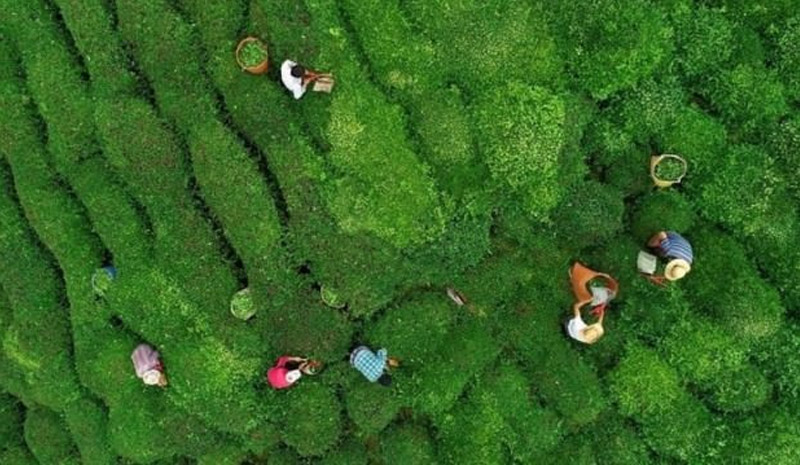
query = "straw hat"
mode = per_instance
[
  {"x": 677, "y": 269},
  {"x": 592, "y": 333},
  {"x": 151, "y": 377},
  {"x": 293, "y": 376}
]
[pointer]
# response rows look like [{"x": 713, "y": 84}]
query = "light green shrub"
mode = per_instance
[
  {"x": 523, "y": 138},
  {"x": 619, "y": 42},
  {"x": 10, "y": 422},
  {"x": 704, "y": 40},
  {"x": 749, "y": 96}
]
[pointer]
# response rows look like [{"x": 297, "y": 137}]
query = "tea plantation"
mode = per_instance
[{"x": 483, "y": 145}]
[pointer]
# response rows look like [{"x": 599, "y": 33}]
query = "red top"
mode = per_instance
[{"x": 277, "y": 374}]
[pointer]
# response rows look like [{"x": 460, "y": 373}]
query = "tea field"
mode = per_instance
[{"x": 483, "y": 145}]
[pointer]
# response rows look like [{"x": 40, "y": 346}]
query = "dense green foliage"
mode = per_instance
[{"x": 483, "y": 145}]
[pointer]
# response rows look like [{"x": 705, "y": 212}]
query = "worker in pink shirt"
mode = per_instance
[
  {"x": 288, "y": 370},
  {"x": 148, "y": 366}
]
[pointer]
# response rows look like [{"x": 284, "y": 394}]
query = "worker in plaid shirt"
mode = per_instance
[{"x": 373, "y": 366}]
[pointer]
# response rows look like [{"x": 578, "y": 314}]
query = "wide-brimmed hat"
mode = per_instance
[
  {"x": 293, "y": 376},
  {"x": 677, "y": 269},
  {"x": 151, "y": 377}
]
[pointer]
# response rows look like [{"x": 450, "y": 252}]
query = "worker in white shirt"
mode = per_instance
[
  {"x": 578, "y": 329},
  {"x": 296, "y": 78}
]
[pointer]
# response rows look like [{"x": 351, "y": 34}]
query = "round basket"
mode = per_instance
[
  {"x": 655, "y": 160},
  {"x": 330, "y": 298},
  {"x": 242, "y": 305},
  {"x": 260, "y": 68},
  {"x": 101, "y": 279}
]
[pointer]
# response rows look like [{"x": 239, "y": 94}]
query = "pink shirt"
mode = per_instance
[
  {"x": 277, "y": 374},
  {"x": 145, "y": 358}
]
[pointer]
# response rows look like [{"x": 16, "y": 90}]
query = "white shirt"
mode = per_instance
[
  {"x": 575, "y": 328},
  {"x": 601, "y": 295},
  {"x": 294, "y": 84}
]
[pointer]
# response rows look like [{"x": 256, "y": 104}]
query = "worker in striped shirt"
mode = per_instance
[
  {"x": 674, "y": 247},
  {"x": 374, "y": 366}
]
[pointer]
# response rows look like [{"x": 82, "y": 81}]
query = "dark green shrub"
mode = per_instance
[
  {"x": 48, "y": 437},
  {"x": 769, "y": 438},
  {"x": 755, "y": 312},
  {"x": 700, "y": 139},
  {"x": 684, "y": 431},
  {"x": 437, "y": 385},
  {"x": 349, "y": 453},
  {"x": 523, "y": 136},
  {"x": 371, "y": 406},
  {"x": 749, "y": 96},
  {"x": 589, "y": 214},
  {"x": 87, "y": 421},
  {"x": 10, "y": 421},
  {"x": 741, "y": 391},
  {"x": 616, "y": 442},
  {"x": 471, "y": 434},
  {"x": 663, "y": 210},
  {"x": 703, "y": 352},
  {"x": 789, "y": 57},
  {"x": 18, "y": 455},
  {"x": 407, "y": 443},
  {"x": 310, "y": 418},
  {"x": 705, "y": 40},
  {"x": 413, "y": 330}
]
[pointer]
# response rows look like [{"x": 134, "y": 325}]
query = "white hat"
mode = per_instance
[
  {"x": 293, "y": 376},
  {"x": 677, "y": 269},
  {"x": 151, "y": 377}
]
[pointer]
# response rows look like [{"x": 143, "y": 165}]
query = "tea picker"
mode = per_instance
[
  {"x": 595, "y": 289},
  {"x": 288, "y": 370},
  {"x": 671, "y": 246},
  {"x": 374, "y": 366},
  {"x": 148, "y": 366},
  {"x": 296, "y": 78}
]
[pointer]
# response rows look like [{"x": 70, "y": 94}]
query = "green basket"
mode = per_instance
[
  {"x": 331, "y": 298},
  {"x": 242, "y": 305}
]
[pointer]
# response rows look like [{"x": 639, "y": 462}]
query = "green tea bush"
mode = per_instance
[
  {"x": 471, "y": 434},
  {"x": 310, "y": 418},
  {"x": 370, "y": 406},
  {"x": 704, "y": 39},
  {"x": 407, "y": 443},
  {"x": 789, "y": 57},
  {"x": 741, "y": 391},
  {"x": 589, "y": 214},
  {"x": 749, "y": 96},
  {"x": 349, "y": 453},
  {"x": 698, "y": 138},
  {"x": 87, "y": 421},
  {"x": 515, "y": 41},
  {"x": 523, "y": 130},
  {"x": 617, "y": 442},
  {"x": 755, "y": 312},
  {"x": 619, "y": 42},
  {"x": 10, "y": 421},
  {"x": 18, "y": 455},
  {"x": 643, "y": 385},
  {"x": 757, "y": 209},
  {"x": 664, "y": 210},
  {"x": 48, "y": 437},
  {"x": 771, "y": 438}
]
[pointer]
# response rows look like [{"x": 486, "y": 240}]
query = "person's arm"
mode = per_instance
[{"x": 576, "y": 309}]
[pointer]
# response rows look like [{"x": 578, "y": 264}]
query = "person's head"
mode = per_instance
[
  {"x": 385, "y": 380},
  {"x": 677, "y": 269},
  {"x": 298, "y": 71},
  {"x": 592, "y": 333},
  {"x": 601, "y": 295},
  {"x": 154, "y": 378},
  {"x": 293, "y": 376}
]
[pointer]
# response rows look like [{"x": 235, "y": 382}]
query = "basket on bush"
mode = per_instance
[
  {"x": 667, "y": 169},
  {"x": 252, "y": 55},
  {"x": 242, "y": 305},
  {"x": 102, "y": 279},
  {"x": 331, "y": 298}
]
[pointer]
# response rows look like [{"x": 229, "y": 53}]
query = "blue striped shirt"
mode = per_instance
[
  {"x": 370, "y": 365},
  {"x": 676, "y": 246}
]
